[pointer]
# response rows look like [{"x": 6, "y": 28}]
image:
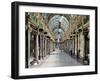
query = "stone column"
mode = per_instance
[
  {"x": 45, "y": 47},
  {"x": 37, "y": 49},
  {"x": 82, "y": 46},
  {"x": 83, "y": 39},
  {"x": 77, "y": 48},
  {"x": 28, "y": 48},
  {"x": 42, "y": 46},
  {"x": 76, "y": 45},
  {"x": 49, "y": 46}
]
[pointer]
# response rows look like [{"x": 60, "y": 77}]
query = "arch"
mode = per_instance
[{"x": 58, "y": 22}]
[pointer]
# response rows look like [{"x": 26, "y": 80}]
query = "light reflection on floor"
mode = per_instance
[{"x": 58, "y": 58}]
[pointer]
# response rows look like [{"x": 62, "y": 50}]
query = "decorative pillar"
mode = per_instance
[
  {"x": 29, "y": 32},
  {"x": 74, "y": 45},
  {"x": 39, "y": 40},
  {"x": 83, "y": 39},
  {"x": 49, "y": 46},
  {"x": 28, "y": 47},
  {"x": 37, "y": 48},
  {"x": 77, "y": 48},
  {"x": 45, "y": 47},
  {"x": 42, "y": 46},
  {"x": 85, "y": 57}
]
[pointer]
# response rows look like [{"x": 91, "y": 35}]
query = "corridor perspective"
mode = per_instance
[
  {"x": 56, "y": 40},
  {"x": 58, "y": 58}
]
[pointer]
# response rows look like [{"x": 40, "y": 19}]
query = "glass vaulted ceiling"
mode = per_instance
[{"x": 58, "y": 24}]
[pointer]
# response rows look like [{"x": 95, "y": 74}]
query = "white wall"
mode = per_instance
[{"x": 5, "y": 40}]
